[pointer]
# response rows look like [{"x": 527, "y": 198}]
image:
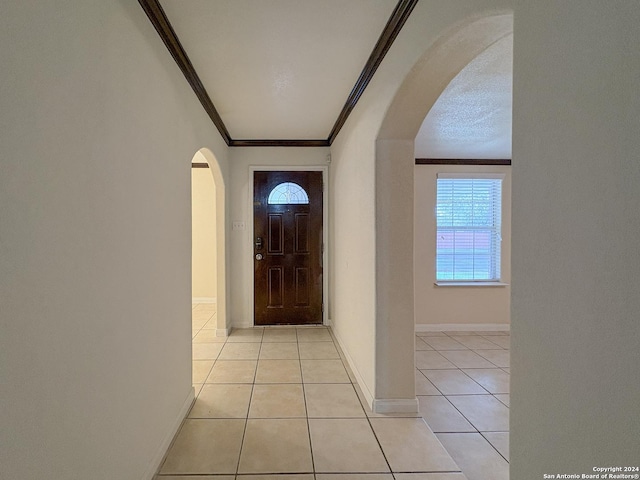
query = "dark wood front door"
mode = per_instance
[{"x": 287, "y": 234}]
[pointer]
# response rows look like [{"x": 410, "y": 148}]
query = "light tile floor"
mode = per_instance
[
  {"x": 281, "y": 404},
  {"x": 462, "y": 383}
]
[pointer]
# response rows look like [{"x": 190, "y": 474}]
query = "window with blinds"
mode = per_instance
[{"x": 469, "y": 220}]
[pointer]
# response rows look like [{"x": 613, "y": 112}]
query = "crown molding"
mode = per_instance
[
  {"x": 165, "y": 30},
  {"x": 279, "y": 143},
  {"x": 463, "y": 161},
  {"x": 387, "y": 37},
  {"x": 161, "y": 23}
]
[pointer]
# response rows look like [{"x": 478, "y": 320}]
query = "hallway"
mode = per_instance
[{"x": 277, "y": 401}]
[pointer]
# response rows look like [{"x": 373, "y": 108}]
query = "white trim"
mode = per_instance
[
  {"x": 396, "y": 405},
  {"x": 204, "y": 300},
  {"x": 491, "y": 175},
  {"x": 453, "y": 283},
  {"x": 242, "y": 324},
  {"x": 368, "y": 396},
  {"x": 157, "y": 459},
  {"x": 222, "y": 332},
  {"x": 325, "y": 233},
  {"x": 462, "y": 327}
]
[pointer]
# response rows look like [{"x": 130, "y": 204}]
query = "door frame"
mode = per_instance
[{"x": 325, "y": 231}]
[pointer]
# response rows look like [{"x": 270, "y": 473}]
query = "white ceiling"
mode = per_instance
[
  {"x": 283, "y": 69},
  {"x": 472, "y": 117},
  {"x": 278, "y": 69}
]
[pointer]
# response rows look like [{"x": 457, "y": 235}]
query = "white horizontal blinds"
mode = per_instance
[{"x": 468, "y": 219}]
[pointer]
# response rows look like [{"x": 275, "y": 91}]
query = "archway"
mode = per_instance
[
  {"x": 219, "y": 280},
  {"x": 441, "y": 62}
]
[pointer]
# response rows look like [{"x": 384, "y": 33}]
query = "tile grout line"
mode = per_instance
[
  {"x": 481, "y": 336},
  {"x": 306, "y": 410},
  {"x": 462, "y": 414},
  {"x": 246, "y": 420},
  {"x": 490, "y": 393},
  {"x": 459, "y": 411},
  {"x": 202, "y": 327},
  {"x": 351, "y": 382},
  {"x": 493, "y": 446},
  {"x": 368, "y": 418},
  {"x": 369, "y": 421},
  {"x": 186, "y": 417}
]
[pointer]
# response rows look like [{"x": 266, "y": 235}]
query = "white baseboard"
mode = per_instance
[
  {"x": 204, "y": 300},
  {"x": 396, "y": 405},
  {"x": 222, "y": 332},
  {"x": 462, "y": 327},
  {"x": 242, "y": 325},
  {"x": 245, "y": 324},
  {"x": 155, "y": 463},
  {"x": 368, "y": 396}
]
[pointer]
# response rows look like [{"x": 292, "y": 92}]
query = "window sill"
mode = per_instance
[{"x": 471, "y": 284}]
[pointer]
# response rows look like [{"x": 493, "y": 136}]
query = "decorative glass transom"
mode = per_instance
[{"x": 287, "y": 193}]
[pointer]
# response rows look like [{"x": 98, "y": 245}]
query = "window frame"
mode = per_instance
[{"x": 485, "y": 282}]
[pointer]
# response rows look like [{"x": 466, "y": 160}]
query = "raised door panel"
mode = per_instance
[
  {"x": 275, "y": 238},
  {"x": 302, "y": 286},
  {"x": 301, "y": 242},
  {"x": 275, "y": 287}
]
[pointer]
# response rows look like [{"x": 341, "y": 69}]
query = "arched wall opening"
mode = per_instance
[
  {"x": 394, "y": 165},
  {"x": 210, "y": 286},
  {"x": 203, "y": 235}
]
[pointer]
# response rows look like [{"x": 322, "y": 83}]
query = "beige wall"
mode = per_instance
[
  {"x": 575, "y": 263},
  {"x": 98, "y": 131},
  {"x": 203, "y": 236},
  {"x": 352, "y": 242},
  {"x": 372, "y": 304},
  {"x": 99, "y": 128},
  {"x": 456, "y": 305}
]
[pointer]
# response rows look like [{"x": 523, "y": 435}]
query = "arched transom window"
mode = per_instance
[{"x": 288, "y": 193}]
